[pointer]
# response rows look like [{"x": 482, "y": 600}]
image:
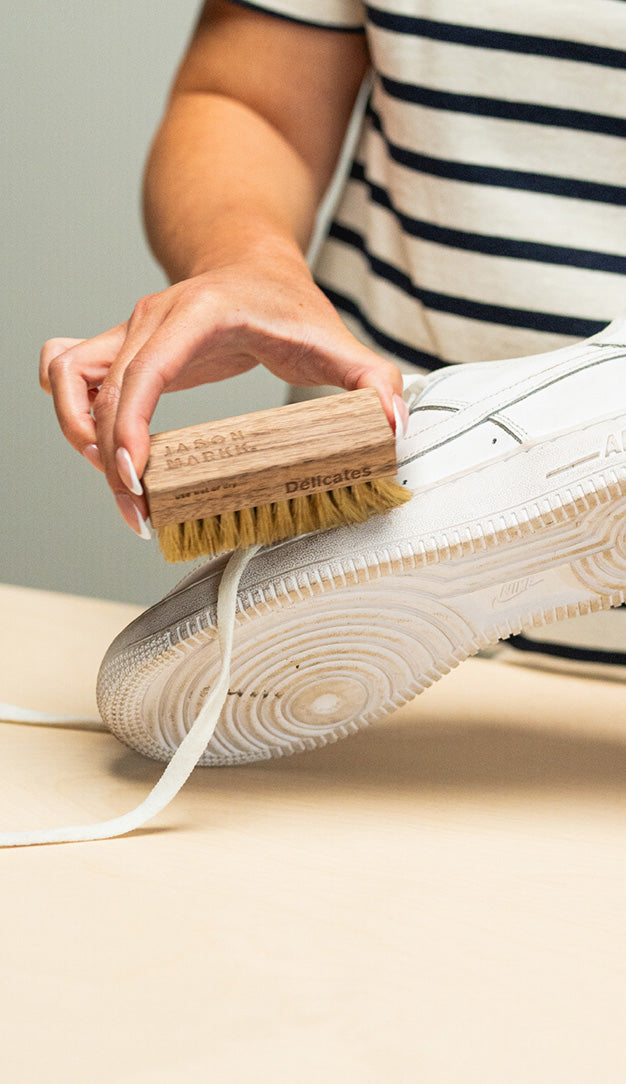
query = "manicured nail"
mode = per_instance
[
  {"x": 127, "y": 472},
  {"x": 132, "y": 516},
  {"x": 401, "y": 415},
  {"x": 92, "y": 454}
]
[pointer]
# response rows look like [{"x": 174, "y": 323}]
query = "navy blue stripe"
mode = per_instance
[
  {"x": 507, "y": 247},
  {"x": 495, "y": 177},
  {"x": 387, "y": 342},
  {"x": 482, "y": 38},
  {"x": 499, "y": 108},
  {"x": 567, "y": 651},
  {"x": 296, "y": 19},
  {"x": 469, "y": 309}
]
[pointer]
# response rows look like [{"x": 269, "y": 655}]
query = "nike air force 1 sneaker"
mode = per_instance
[{"x": 517, "y": 471}]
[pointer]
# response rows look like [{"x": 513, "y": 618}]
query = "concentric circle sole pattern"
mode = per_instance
[
  {"x": 306, "y": 672},
  {"x": 605, "y": 570},
  {"x": 315, "y": 663}
]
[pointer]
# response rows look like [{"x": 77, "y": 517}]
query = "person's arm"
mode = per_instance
[
  {"x": 245, "y": 151},
  {"x": 253, "y": 129}
]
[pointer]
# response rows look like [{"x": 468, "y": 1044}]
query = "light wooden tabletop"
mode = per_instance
[{"x": 438, "y": 899}]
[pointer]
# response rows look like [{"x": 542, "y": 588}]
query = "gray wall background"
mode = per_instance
[{"x": 83, "y": 87}]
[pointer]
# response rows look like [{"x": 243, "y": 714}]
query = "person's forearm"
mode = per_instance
[{"x": 220, "y": 182}]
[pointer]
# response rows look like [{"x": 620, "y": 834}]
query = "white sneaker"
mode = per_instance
[{"x": 518, "y": 470}]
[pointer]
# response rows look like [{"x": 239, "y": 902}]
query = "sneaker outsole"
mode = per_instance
[{"x": 322, "y": 654}]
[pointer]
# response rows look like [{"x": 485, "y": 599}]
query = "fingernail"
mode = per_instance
[
  {"x": 127, "y": 472},
  {"x": 92, "y": 454},
  {"x": 132, "y": 516},
  {"x": 401, "y": 415}
]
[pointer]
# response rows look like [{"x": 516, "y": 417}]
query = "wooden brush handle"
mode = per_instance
[{"x": 272, "y": 455}]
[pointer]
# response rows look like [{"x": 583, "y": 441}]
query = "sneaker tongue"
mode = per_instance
[
  {"x": 414, "y": 383},
  {"x": 413, "y": 386}
]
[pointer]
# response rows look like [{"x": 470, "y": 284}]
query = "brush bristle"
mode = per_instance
[{"x": 268, "y": 523}]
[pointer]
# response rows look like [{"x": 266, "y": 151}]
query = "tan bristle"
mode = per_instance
[
  {"x": 263, "y": 523},
  {"x": 268, "y": 523},
  {"x": 283, "y": 520},
  {"x": 302, "y": 517},
  {"x": 169, "y": 542},
  {"x": 246, "y": 521},
  {"x": 210, "y": 535},
  {"x": 326, "y": 511},
  {"x": 350, "y": 504}
]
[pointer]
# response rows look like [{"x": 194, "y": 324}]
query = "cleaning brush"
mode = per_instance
[{"x": 271, "y": 475}]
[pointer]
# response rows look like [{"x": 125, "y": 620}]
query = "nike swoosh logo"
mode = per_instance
[{"x": 514, "y": 589}]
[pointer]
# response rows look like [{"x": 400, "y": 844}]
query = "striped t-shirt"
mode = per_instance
[{"x": 484, "y": 211}]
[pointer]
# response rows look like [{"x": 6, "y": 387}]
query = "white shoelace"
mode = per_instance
[
  {"x": 186, "y": 756},
  {"x": 11, "y": 713}
]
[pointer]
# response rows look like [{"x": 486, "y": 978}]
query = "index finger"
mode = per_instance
[
  {"x": 144, "y": 380},
  {"x": 49, "y": 351},
  {"x": 71, "y": 374}
]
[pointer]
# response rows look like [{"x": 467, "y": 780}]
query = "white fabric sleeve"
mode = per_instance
[{"x": 331, "y": 14}]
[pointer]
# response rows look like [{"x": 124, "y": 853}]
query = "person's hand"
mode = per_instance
[{"x": 214, "y": 325}]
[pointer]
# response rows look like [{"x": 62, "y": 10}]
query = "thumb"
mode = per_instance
[{"x": 372, "y": 371}]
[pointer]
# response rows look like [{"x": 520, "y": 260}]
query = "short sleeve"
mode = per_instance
[{"x": 330, "y": 14}]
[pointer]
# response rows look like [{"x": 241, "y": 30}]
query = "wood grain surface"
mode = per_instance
[{"x": 270, "y": 455}]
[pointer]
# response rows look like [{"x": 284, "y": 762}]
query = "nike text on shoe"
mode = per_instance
[{"x": 518, "y": 470}]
